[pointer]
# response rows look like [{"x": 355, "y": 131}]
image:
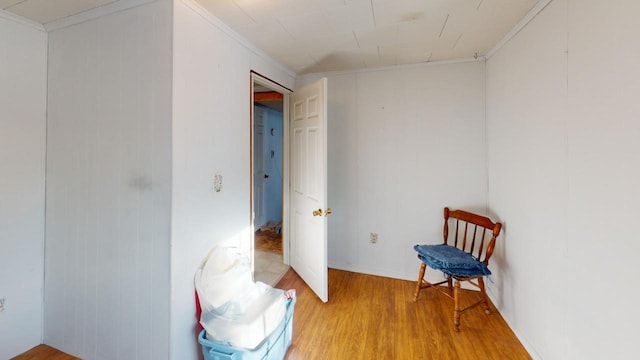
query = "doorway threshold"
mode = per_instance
[{"x": 269, "y": 268}]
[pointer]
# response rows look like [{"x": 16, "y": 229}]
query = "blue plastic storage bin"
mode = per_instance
[{"x": 274, "y": 347}]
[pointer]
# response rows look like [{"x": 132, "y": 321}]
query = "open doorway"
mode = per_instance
[{"x": 269, "y": 168}]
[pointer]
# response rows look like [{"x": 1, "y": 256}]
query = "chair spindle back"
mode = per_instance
[{"x": 471, "y": 230}]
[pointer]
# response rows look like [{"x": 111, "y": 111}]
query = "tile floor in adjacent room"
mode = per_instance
[{"x": 269, "y": 267}]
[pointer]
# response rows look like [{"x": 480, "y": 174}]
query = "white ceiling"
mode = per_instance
[{"x": 330, "y": 35}]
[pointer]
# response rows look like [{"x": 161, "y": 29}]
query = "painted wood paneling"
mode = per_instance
[
  {"x": 109, "y": 186},
  {"x": 603, "y": 128},
  {"x": 23, "y": 79},
  {"x": 211, "y": 128},
  {"x": 526, "y": 117},
  {"x": 563, "y": 126},
  {"x": 403, "y": 143}
]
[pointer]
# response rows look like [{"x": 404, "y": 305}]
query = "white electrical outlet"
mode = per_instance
[{"x": 373, "y": 237}]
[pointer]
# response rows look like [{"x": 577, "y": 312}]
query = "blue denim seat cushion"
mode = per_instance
[{"x": 451, "y": 260}]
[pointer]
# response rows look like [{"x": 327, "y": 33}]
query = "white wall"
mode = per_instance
[
  {"x": 603, "y": 155},
  {"x": 563, "y": 149},
  {"x": 403, "y": 143},
  {"x": 526, "y": 115},
  {"x": 23, "y": 79},
  {"x": 211, "y": 128},
  {"x": 109, "y": 186}
]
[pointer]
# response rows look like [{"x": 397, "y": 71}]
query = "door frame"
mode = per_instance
[{"x": 256, "y": 77}]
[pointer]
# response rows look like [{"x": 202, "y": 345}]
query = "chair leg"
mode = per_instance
[
  {"x": 423, "y": 268},
  {"x": 456, "y": 302},
  {"x": 483, "y": 292}
]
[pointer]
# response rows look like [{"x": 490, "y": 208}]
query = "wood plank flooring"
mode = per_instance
[
  {"x": 269, "y": 241},
  {"x": 42, "y": 352},
  {"x": 371, "y": 317}
]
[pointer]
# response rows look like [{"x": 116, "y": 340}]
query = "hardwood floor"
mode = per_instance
[
  {"x": 370, "y": 317},
  {"x": 269, "y": 241},
  {"x": 42, "y": 352}
]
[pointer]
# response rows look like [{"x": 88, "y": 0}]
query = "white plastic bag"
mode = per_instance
[{"x": 235, "y": 310}]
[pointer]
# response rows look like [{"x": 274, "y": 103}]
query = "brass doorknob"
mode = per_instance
[{"x": 319, "y": 212}]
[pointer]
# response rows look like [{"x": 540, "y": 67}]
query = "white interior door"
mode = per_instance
[
  {"x": 259, "y": 205},
  {"x": 308, "y": 209}
]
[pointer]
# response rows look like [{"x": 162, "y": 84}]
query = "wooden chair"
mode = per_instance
[{"x": 465, "y": 257}]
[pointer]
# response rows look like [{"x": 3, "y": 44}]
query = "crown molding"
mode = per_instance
[
  {"x": 94, "y": 13},
  {"x": 395, "y": 67},
  {"x": 21, "y": 20},
  {"x": 213, "y": 20},
  {"x": 518, "y": 27}
]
